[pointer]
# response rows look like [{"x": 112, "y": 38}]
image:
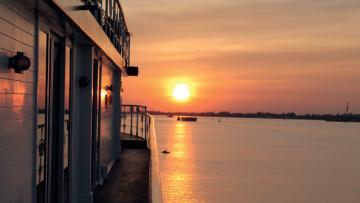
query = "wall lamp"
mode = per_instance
[
  {"x": 83, "y": 81},
  {"x": 19, "y": 62},
  {"x": 109, "y": 88},
  {"x": 108, "y": 95},
  {"x": 132, "y": 70}
]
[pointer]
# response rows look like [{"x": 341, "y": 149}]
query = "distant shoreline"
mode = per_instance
[{"x": 291, "y": 115}]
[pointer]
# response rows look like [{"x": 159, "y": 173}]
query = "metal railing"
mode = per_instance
[
  {"x": 40, "y": 153},
  {"x": 135, "y": 121},
  {"x": 41, "y": 149},
  {"x": 110, "y": 17}
]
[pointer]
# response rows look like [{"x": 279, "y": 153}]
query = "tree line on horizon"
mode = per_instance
[{"x": 350, "y": 117}]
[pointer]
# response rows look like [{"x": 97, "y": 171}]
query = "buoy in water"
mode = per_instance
[{"x": 165, "y": 152}]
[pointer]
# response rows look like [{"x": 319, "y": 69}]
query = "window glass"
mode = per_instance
[
  {"x": 41, "y": 116},
  {"x": 67, "y": 123}
]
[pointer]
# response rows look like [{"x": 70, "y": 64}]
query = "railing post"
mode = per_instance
[
  {"x": 123, "y": 115},
  {"x": 145, "y": 123},
  {"x": 131, "y": 120},
  {"x": 41, "y": 148},
  {"x": 137, "y": 121}
]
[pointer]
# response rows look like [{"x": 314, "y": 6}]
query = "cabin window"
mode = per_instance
[{"x": 67, "y": 120}]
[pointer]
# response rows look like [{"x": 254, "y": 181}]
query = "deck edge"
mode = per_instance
[{"x": 155, "y": 193}]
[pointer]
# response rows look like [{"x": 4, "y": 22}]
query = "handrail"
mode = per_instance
[{"x": 145, "y": 107}]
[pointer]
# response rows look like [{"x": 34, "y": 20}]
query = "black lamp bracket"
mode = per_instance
[{"x": 19, "y": 62}]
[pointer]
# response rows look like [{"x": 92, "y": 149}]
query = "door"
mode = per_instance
[{"x": 54, "y": 119}]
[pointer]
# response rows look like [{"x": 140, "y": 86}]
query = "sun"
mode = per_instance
[{"x": 181, "y": 92}]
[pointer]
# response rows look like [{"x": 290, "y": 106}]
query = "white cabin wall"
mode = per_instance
[{"x": 17, "y": 33}]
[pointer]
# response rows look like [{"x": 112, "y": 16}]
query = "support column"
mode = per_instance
[
  {"x": 81, "y": 141},
  {"x": 116, "y": 114}
]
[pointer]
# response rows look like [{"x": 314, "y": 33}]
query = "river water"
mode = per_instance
[{"x": 258, "y": 160}]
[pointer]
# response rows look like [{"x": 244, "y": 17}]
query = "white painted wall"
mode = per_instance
[
  {"x": 16, "y": 105},
  {"x": 17, "y": 113}
]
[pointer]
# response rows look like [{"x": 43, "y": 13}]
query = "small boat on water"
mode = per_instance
[
  {"x": 169, "y": 116},
  {"x": 186, "y": 118}
]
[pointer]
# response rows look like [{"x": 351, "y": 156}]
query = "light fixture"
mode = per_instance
[
  {"x": 108, "y": 95},
  {"x": 83, "y": 81},
  {"x": 19, "y": 62},
  {"x": 132, "y": 70},
  {"x": 109, "y": 88}
]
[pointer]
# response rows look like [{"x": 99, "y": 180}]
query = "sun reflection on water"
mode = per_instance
[{"x": 177, "y": 180}]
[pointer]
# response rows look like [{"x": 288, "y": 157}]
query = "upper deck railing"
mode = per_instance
[{"x": 110, "y": 17}]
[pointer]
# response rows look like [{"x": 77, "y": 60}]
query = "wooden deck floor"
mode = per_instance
[
  {"x": 128, "y": 180},
  {"x": 130, "y": 137},
  {"x": 129, "y": 141}
]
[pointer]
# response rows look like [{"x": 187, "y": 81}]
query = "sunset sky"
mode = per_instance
[{"x": 245, "y": 55}]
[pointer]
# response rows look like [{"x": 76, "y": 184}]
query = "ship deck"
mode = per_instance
[{"x": 128, "y": 180}]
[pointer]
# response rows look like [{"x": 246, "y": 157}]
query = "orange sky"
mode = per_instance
[{"x": 246, "y": 55}]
